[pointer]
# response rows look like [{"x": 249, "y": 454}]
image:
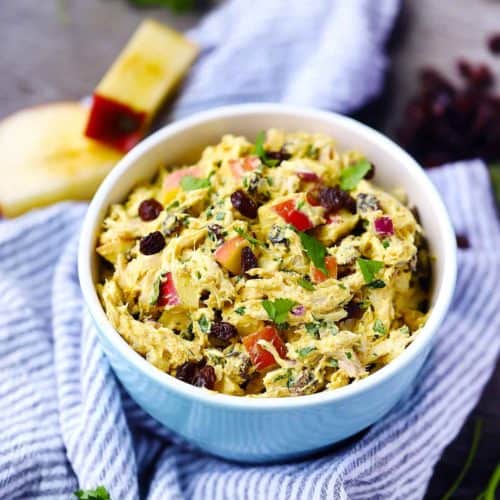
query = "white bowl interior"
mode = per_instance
[{"x": 182, "y": 143}]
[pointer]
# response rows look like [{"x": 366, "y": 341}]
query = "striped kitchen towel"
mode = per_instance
[{"x": 65, "y": 421}]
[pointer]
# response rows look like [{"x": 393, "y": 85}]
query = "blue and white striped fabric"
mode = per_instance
[{"x": 65, "y": 421}]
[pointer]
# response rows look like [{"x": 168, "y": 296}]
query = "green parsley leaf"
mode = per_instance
[
  {"x": 100, "y": 493},
  {"x": 156, "y": 291},
  {"x": 350, "y": 176},
  {"x": 240, "y": 310},
  {"x": 369, "y": 268},
  {"x": 305, "y": 351},
  {"x": 300, "y": 204},
  {"x": 305, "y": 283},
  {"x": 174, "y": 204},
  {"x": 315, "y": 250},
  {"x": 190, "y": 183},
  {"x": 278, "y": 310},
  {"x": 379, "y": 327},
  {"x": 204, "y": 324},
  {"x": 348, "y": 354},
  {"x": 386, "y": 243},
  {"x": 261, "y": 152},
  {"x": 333, "y": 363},
  {"x": 311, "y": 152},
  {"x": 377, "y": 284},
  {"x": 313, "y": 329},
  {"x": 249, "y": 238}
]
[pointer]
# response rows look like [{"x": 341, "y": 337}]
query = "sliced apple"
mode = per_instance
[
  {"x": 240, "y": 166},
  {"x": 144, "y": 74},
  {"x": 172, "y": 182},
  {"x": 331, "y": 266},
  {"x": 228, "y": 255},
  {"x": 46, "y": 158}
]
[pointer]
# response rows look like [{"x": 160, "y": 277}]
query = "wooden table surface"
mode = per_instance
[{"x": 48, "y": 54}]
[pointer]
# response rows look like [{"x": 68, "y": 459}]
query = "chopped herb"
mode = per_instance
[
  {"x": 305, "y": 351},
  {"x": 198, "y": 275},
  {"x": 313, "y": 329},
  {"x": 204, "y": 324},
  {"x": 189, "y": 333},
  {"x": 350, "y": 176},
  {"x": 100, "y": 493},
  {"x": 261, "y": 152},
  {"x": 315, "y": 250},
  {"x": 156, "y": 291},
  {"x": 369, "y": 268},
  {"x": 269, "y": 180},
  {"x": 379, "y": 327},
  {"x": 278, "y": 310},
  {"x": 220, "y": 216},
  {"x": 386, "y": 243},
  {"x": 249, "y": 238},
  {"x": 311, "y": 151},
  {"x": 333, "y": 363},
  {"x": 341, "y": 285},
  {"x": 305, "y": 283},
  {"x": 405, "y": 330},
  {"x": 240, "y": 310},
  {"x": 376, "y": 284},
  {"x": 190, "y": 183},
  {"x": 348, "y": 354},
  {"x": 174, "y": 204},
  {"x": 300, "y": 204}
]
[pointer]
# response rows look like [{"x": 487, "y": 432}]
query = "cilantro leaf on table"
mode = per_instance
[
  {"x": 278, "y": 310},
  {"x": 350, "y": 176},
  {"x": 190, "y": 183},
  {"x": 315, "y": 250},
  {"x": 369, "y": 268},
  {"x": 100, "y": 493},
  {"x": 261, "y": 152}
]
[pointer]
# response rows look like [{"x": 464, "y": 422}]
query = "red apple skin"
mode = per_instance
[
  {"x": 241, "y": 166},
  {"x": 228, "y": 255}
]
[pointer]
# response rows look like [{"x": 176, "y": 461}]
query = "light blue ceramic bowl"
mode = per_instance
[{"x": 264, "y": 430}]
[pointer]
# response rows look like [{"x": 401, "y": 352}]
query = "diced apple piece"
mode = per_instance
[
  {"x": 239, "y": 167},
  {"x": 331, "y": 266},
  {"x": 228, "y": 255},
  {"x": 168, "y": 293},
  {"x": 260, "y": 357},
  {"x": 46, "y": 158},
  {"x": 147, "y": 70},
  {"x": 288, "y": 211}
]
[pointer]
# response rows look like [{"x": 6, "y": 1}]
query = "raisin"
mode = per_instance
[
  {"x": 344, "y": 270},
  {"x": 463, "y": 241},
  {"x": 244, "y": 204},
  {"x": 333, "y": 199},
  {"x": 205, "y": 377},
  {"x": 152, "y": 243},
  {"x": 248, "y": 259},
  {"x": 149, "y": 209},
  {"x": 354, "y": 310},
  {"x": 222, "y": 330},
  {"x": 198, "y": 374},
  {"x": 494, "y": 43}
]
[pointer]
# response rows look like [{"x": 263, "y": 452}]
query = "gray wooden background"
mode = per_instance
[{"x": 51, "y": 53}]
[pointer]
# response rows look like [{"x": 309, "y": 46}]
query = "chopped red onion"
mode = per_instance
[
  {"x": 299, "y": 310},
  {"x": 308, "y": 176},
  {"x": 384, "y": 226}
]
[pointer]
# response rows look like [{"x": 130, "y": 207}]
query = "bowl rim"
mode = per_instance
[{"x": 211, "y": 398}]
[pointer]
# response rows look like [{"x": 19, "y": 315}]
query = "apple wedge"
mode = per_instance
[{"x": 46, "y": 158}]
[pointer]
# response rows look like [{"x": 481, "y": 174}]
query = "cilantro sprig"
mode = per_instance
[
  {"x": 369, "y": 268},
  {"x": 315, "y": 250},
  {"x": 191, "y": 183},
  {"x": 306, "y": 284},
  {"x": 350, "y": 176},
  {"x": 278, "y": 310},
  {"x": 100, "y": 493},
  {"x": 261, "y": 152}
]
